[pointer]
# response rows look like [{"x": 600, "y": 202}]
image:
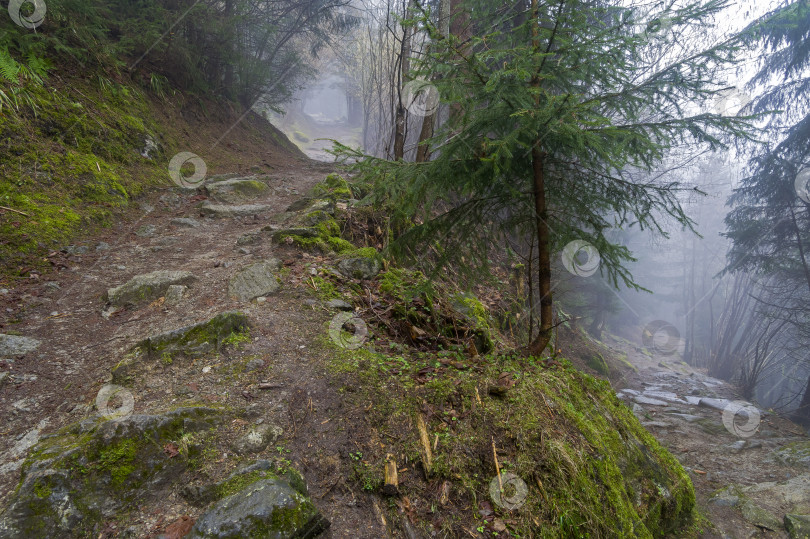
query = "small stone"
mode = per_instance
[
  {"x": 75, "y": 249},
  {"x": 257, "y": 439},
  {"x": 243, "y": 251},
  {"x": 251, "y": 238},
  {"x": 360, "y": 268},
  {"x": 261, "y": 300},
  {"x": 53, "y": 285},
  {"x": 170, "y": 199},
  {"x": 146, "y": 231},
  {"x": 217, "y": 211},
  {"x": 340, "y": 305},
  {"x": 648, "y": 401},
  {"x": 103, "y": 246},
  {"x": 254, "y": 365},
  {"x": 185, "y": 222}
]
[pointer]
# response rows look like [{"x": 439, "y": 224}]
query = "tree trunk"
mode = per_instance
[
  {"x": 802, "y": 413},
  {"x": 400, "y": 123},
  {"x": 538, "y": 345},
  {"x": 543, "y": 253}
]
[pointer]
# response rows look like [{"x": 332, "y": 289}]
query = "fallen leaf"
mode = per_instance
[
  {"x": 171, "y": 450},
  {"x": 179, "y": 528}
]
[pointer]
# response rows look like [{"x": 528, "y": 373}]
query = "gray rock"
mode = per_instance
[
  {"x": 257, "y": 439},
  {"x": 146, "y": 231},
  {"x": 218, "y": 211},
  {"x": 758, "y": 516},
  {"x": 360, "y": 268},
  {"x": 251, "y": 238},
  {"x": 15, "y": 345},
  {"x": 175, "y": 293},
  {"x": 103, "y": 246},
  {"x": 3, "y": 378},
  {"x": 194, "y": 340},
  {"x": 269, "y": 508},
  {"x": 340, "y": 305},
  {"x": 727, "y": 497},
  {"x": 649, "y": 401},
  {"x": 75, "y": 249},
  {"x": 146, "y": 287},
  {"x": 66, "y": 488},
  {"x": 236, "y": 190},
  {"x": 170, "y": 199},
  {"x": 185, "y": 222},
  {"x": 254, "y": 365},
  {"x": 797, "y": 526},
  {"x": 255, "y": 280}
]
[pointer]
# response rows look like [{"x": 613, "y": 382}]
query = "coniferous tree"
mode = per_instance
[
  {"x": 561, "y": 109},
  {"x": 769, "y": 224}
]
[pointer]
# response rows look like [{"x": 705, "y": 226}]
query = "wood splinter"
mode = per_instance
[
  {"x": 425, "y": 439},
  {"x": 391, "y": 486}
]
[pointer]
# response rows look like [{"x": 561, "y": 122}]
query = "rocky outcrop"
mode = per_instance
[{"x": 72, "y": 481}]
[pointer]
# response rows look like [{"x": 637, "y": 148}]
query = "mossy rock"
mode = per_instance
[
  {"x": 237, "y": 190},
  {"x": 798, "y": 526},
  {"x": 75, "y": 480},
  {"x": 268, "y": 508},
  {"x": 147, "y": 287},
  {"x": 194, "y": 340}
]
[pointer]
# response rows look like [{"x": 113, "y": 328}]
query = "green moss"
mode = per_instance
[
  {"x": 119, "y": 460},
  {"x": 597, "y": 363},
  {"x": 590, "y": 468},
  {"x": 69, "y": 167}
]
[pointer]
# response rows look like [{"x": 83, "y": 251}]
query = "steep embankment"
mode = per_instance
[
  {"x": 235, "y": 369},
  {"x": 75, "y": 153}
]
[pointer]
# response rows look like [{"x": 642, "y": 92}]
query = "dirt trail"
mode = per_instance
[
  {"x": 684, "y": 409},
  {"x": 56, "y": 384}
]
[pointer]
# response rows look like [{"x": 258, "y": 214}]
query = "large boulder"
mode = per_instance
[
  {"x": 147, "y": 287},
  {"x": 75, "y": 480},
  {"x": 255, "y": 280}
]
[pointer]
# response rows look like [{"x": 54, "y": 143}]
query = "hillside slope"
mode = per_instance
[{"x": 80, "y": 151}]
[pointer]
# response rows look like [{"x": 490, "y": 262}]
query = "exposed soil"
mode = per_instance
[{"x": 58, "y": 383}]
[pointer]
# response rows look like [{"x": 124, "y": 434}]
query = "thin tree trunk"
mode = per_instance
[
  {"x": 400, "y": 123},
  {"x": 538, "y": 345},
  {"x": 543, "y": 252}
]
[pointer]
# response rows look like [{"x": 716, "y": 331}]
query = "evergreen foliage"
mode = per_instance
[{"x": 584, "y": 89}]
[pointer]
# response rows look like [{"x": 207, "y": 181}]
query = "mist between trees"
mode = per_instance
[{"x": 671, "y": 137}]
